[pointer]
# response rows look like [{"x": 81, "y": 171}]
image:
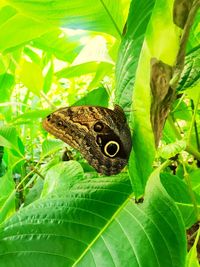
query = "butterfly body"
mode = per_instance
[{"x": 101, "y": 135}]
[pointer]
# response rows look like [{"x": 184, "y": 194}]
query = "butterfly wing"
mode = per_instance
[{"x": 100, "y": 134}]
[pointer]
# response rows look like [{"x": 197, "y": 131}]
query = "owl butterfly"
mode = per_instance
[{"x": 101, "y": 135}]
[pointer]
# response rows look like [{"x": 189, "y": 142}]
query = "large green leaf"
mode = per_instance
[
  {"x": 57, "y": 42},
  {"x": 156, "y": 37},
  {"x": 95, "y": 50},
  {"x": 78, "y": 70},
  {"x": 104, "y": 16},
  {"x": 26, "y": 28},
  {"x": 129, "y": 51},
  {"x": 56, "y": 177},
  {"x": 192, "y": 257},
  {"x": 31, "y": 76},
  {"x": 169, "y": 136},
  {"x": 95, "y": 222},
  {"x": 179, "y": 191},
  {"x": 194, "y": 176}
]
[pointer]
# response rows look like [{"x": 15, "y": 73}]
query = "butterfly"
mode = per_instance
[{"x": 102, "y": 135}]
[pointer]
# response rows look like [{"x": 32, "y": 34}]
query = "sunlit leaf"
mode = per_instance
[
  {"x": 129, "y": 51},
  {"x": 94, "y": 51},
  {"x": 157, "y": 35},
  {"x": 78, "y": 70},
  {"x": 103, "y": 70},
  {"x": 31, "y": 116},
  {"x": 97, "y": 97},
  {"x": 104, "y": 16},
  {"x": 20, "y": 29},
  {"x": 31, "y": 76},
  {"x": 61, "y": 45},
  {"x": 48, "y": 79}
]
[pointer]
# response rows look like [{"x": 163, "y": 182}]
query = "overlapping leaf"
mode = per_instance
[
  {"x": 92, "y": 222},
  {"x": 102, "y": 16}
]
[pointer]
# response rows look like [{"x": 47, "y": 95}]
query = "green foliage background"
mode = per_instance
[{"x": 62, "y": 213}]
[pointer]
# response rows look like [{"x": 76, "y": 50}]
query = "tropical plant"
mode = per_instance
[{"x": 55, "y": 209}]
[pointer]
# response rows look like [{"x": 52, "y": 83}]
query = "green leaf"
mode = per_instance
[
  {"x": 31, "y": 76},
  {"x": 169, "y": 136},
  {"x": 78, "y": 70},
  {"x": 178, "y": 190},
  {"x": 171, "y": 150},
  {"x": 102, "y": 71},
  {"x": 49, "y": 146},
  {"x": 156, "y": 37},
  {"x": 35, "y": 192},
  {"x": 194, "y": 177},
  {"x": 3, "y": 168},
  {"x": 10, "y": 139},
  {"x": 191, "y": 72},
  {"x": 193, "y": 92},
  {"x": 97, "y": 97},
  {"x": 192, "y": 257},
  {"x": 2, "y": 65},
  {"x": 62, "y": 176},
  {"x": 48, "y": 79},
  {"x": 26, "y": 29},
  {"x": 150, "y": 224},
  {"x": 129, "y": 51},
  {"x": 193, "y": 40},
  {"x": 7, "y": 198},
  {"x": 95, "y": 221},
  {"x": 31, "y": 116},
  {"x": 61, "y": 45},
  {"x": 6, "y": 86},
  {"x": 6, "y": 12},
  {"x": 33, "y": 55},
  {"x": 181, "y": 111},
  {"x": 102, "y": 16},
  {"x": 94, "y": 51},
  {"x": 141, "y": 157}
]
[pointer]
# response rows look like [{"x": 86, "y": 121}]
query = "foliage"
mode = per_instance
[{"x": 62, "y": 213}]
